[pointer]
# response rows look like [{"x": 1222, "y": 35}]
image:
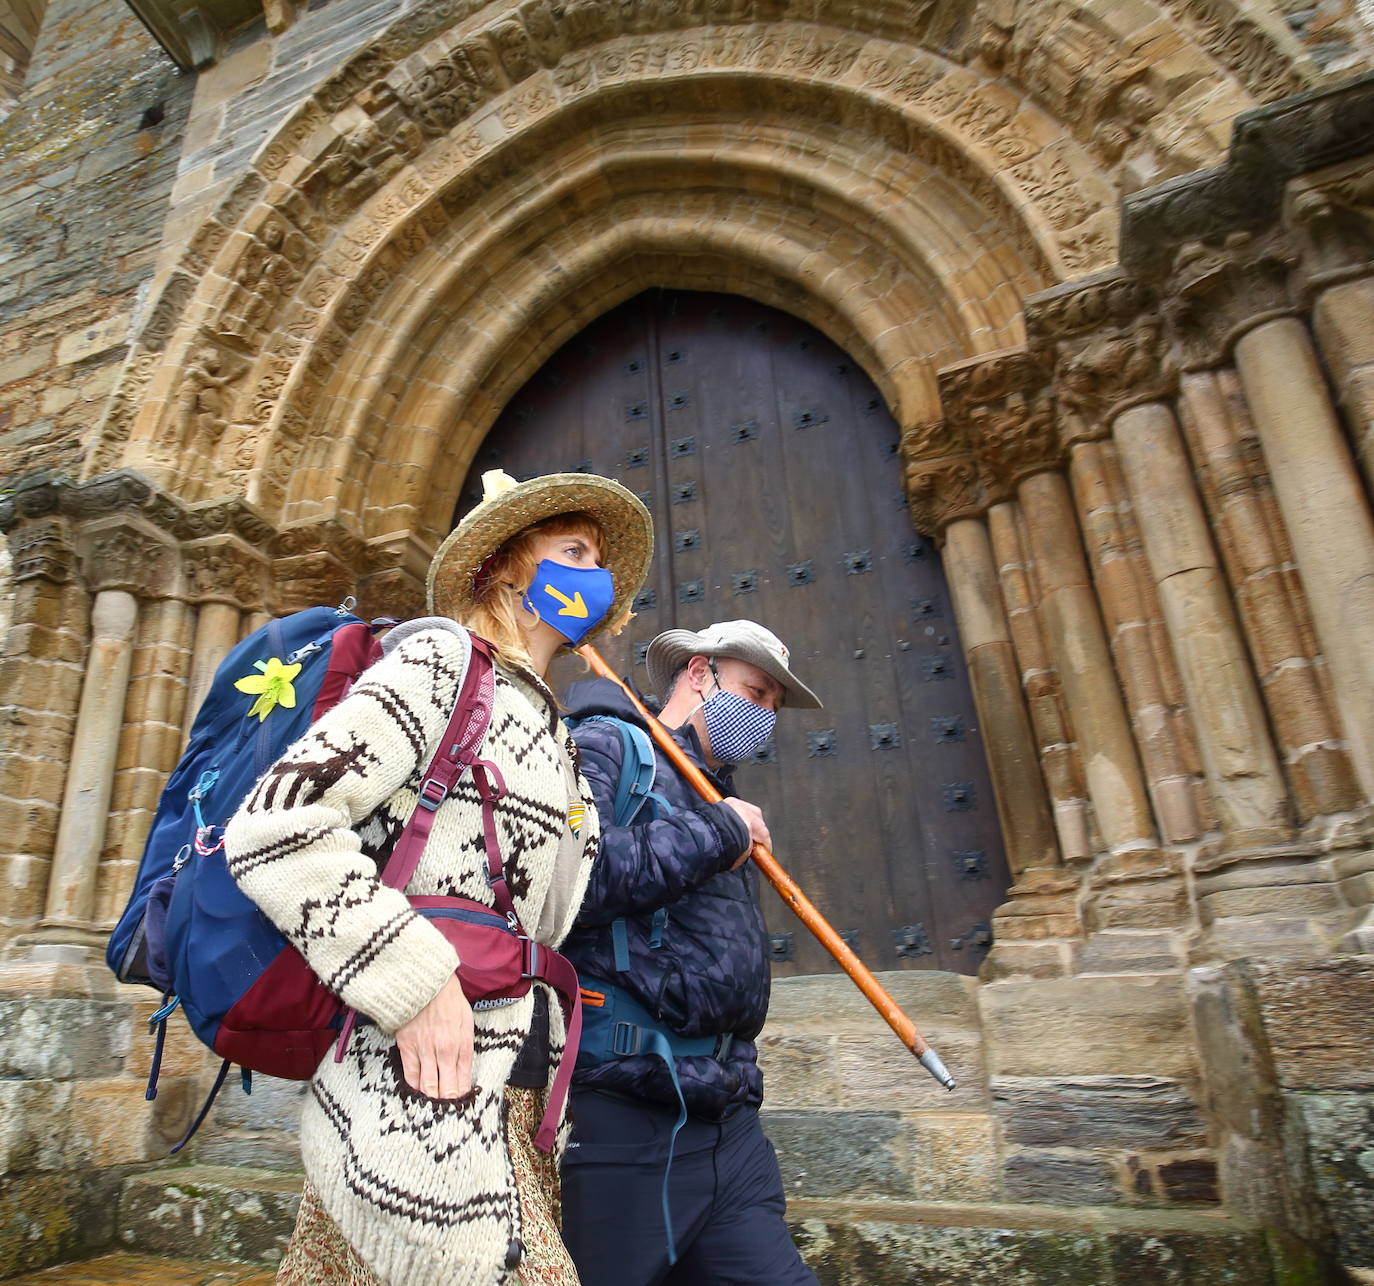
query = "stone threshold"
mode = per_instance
[
  {"x": 1018, "y": 1216},
  {"x": 147, "y": 1270}
]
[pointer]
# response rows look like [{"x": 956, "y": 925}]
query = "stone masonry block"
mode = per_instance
[
  {"x": 210, "y": 1212},
  {"x": 1334, "y": 1135},
  {"x": 800, "y": 1071},
  {"x": 1319, "y": 1019},
  {"x": 274, "y": 1104},
  {"x": 33, "y": 1125},
  {"x": 108, "y": 1125},
  {"x": 1118, "y": 1026},
  {"x": 841, "y": 1154},
  {"x": 62, "y": 1039},
  {"x": 1098, "y": 1111},
  {"x": 48, "y": 1218},
  {"x": 1225, "y": 1258},
  {"x": 955, "y": 1157},
  {"x": 1057, "y": 1178}
]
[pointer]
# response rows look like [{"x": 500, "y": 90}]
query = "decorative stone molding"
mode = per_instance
[
  {"x": 1003, "y": 407},
  {"x": 1269, "y": 147},
  {"x": 127, "y": 552},
  {"x": 1333, "y": 216}
]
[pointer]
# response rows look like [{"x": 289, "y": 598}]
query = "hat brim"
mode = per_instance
[
  {"x": 624, "y": 521},
  {"x": 672, "y": 649}
]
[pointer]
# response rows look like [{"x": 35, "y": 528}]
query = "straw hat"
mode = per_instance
[
  {"x": 507, "y": 507},
  {"x": 742, "y": 640}
]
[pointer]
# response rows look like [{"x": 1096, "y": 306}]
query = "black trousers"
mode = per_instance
[{"x": 725, "y": 1194}]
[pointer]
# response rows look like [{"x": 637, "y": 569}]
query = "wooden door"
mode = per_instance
[{"x": 771, "y": 468}]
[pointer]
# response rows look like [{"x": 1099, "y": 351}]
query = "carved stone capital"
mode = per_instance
[
  {"x": 123, "y": 551},
  {"x": 38, "y": 495},
  {"x": 1217, "y": 293},
  {"x": 1003, "y": 407},
  {"x": 224, "y": 569},
  {"x": 1110, "y": 350},
  {"x": 942, "y": 491},
  {"x": 40, "y": 549}
]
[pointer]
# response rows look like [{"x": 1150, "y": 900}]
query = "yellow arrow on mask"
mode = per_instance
[{"x": 573, "y": 606}]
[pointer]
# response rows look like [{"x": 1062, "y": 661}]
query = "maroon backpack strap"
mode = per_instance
[
  {"x": 467, "y": 725},
  {"x": 557, "y": 971},
  {"x": 457, "y": 752}
]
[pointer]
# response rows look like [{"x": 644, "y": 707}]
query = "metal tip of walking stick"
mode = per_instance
[{"x": 930, "y": 1060}]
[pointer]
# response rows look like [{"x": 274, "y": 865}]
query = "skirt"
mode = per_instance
[{"x": 318, "y": 1255}]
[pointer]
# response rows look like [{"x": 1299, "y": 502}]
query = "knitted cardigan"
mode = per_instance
[{"x": 422, "y": 1188}]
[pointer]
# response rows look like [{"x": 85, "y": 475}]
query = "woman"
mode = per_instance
[{"x": 417, "y": 1149}]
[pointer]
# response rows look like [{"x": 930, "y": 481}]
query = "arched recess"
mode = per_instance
[{"x": 442, "y": 212}]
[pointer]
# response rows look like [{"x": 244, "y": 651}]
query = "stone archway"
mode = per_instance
[{"x": 886, "y": 182}]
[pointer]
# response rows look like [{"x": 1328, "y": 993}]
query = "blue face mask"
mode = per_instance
[{"x": 574, "y": 600}]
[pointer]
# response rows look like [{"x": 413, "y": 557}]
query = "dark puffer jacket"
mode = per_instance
[{"x": 710, "y": 973}]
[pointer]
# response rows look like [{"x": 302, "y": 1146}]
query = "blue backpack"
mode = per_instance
[{"x": 265, "y": 694}]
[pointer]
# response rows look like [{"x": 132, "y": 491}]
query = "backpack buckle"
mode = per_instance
[
  {"x": 432, "y": 793},
  {"x": 625, "y": 1039},
  {"x": 530, "y": 964}
]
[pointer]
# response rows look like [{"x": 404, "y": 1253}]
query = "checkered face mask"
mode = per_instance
[{"x": 735, "y": 725}]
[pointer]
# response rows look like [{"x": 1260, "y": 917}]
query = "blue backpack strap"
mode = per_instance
[{"x": 634, "y": 789}]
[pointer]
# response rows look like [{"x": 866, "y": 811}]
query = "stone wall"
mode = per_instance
[{"x": 87, "y": 162}]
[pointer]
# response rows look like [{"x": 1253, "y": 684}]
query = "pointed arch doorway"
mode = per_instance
[{"x": 770, "y": 465}]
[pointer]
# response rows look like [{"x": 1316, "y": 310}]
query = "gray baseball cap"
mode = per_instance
[{"x": 742, "y": 640}]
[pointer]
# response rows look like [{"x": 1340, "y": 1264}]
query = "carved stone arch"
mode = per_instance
[
  {"x": 277, "y": 250},
  {"x": 365, "y": 171}
]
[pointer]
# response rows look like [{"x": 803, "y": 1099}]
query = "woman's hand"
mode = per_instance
[{"x": 436, "y": 1045}]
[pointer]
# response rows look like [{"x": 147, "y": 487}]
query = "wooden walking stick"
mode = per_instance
[{"x": 789, "y": 892}]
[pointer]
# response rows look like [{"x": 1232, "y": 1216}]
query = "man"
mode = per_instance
[{"x": 672, "y": 952}]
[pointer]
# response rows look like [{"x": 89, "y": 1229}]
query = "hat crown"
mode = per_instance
[{"x": 727, "y": 634}]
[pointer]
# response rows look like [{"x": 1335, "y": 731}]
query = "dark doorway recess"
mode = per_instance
[{"x": 770, "y": 465}]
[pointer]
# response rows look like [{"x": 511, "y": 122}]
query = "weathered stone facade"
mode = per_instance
[{"x": 1111, "y": 268}]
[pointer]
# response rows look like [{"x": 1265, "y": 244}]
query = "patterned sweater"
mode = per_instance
[{"x": 421, "y": 1188}]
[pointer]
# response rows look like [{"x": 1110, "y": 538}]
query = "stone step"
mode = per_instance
[
  {"x": 222, "y": 1213},
  {"x": 209, "y": 1212},
  {"x": 147, "y": 1270},
  {"x": 877, "y": 1243}
]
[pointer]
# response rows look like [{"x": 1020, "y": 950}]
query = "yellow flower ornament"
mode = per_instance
[{"x": 272, "y": 687}]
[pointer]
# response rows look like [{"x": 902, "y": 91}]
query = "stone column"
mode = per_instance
[
  {"x": 41, "y": 681},
  {"x": 1059, "y": 757},
  {"x": 1268, "y": 596},
  {"x": 1022, "y": 804},
  {"x": 1134, "y": 623},
  {"x": 1083, "y": 660},
  {"x": 86, "y": 801},
  {"x": 226, "y": 578},
  {"x": 1326, "y": 511},
  {"x": 123, "y": 558},
  {"x": 1331, "y": 210},
  {"x": 1242, "y": 768}
]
